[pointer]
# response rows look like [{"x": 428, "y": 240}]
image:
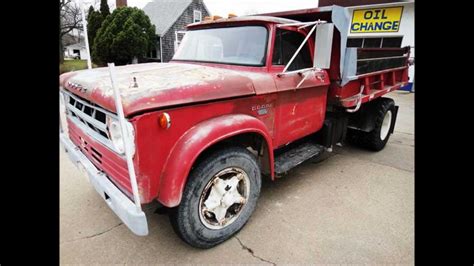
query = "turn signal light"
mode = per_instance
[{"x": 165, "y": 120}]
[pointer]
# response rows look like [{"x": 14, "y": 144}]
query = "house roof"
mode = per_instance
[
  {"x": 164, "y": 13},
  {"x": 69, "y": 39}
]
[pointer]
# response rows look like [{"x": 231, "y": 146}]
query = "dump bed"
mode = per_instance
[{"x": 357, "y": 74}]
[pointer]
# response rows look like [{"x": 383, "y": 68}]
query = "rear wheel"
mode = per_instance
[
  {"x": 383, "y": 110},
  {"x": 219, "y": 198}
]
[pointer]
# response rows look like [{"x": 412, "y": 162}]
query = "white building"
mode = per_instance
[{"x": 76, "y": 51}]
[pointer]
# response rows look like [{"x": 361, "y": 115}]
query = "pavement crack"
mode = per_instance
[
  {"x": 403, "y": 144},
  {"x": 252, "y": 252},
  {"x": 94, "y": 235},
  {"x": 98, "y": 234},
  {"x": 395, "y": 167},
  {"x": 406, "y": 133},
  {"x": 387, "y": 165}
]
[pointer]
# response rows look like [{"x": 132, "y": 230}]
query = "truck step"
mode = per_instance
[{"x": 291, "y": 158}]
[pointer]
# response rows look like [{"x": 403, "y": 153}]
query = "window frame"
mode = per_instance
[
  {"x": 308, "y": 44},
  {"x": 265, "y": 54},
  {"x": 195, "y": 11}
]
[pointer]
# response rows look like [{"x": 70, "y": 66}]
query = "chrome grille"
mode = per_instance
[{"x": 89, "y": 117}]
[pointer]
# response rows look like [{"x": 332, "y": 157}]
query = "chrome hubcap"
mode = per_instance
[{"x": 224, "y": 197}]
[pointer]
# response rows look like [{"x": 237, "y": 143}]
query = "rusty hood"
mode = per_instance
[{"x": 155, "y": 85}]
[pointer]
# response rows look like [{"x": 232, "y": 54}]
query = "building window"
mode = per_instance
[
  {"x": 373, "y": 43},
  {"x": 392, "y": 42},
  {"x": 354, "y": 42},
  {"x": 385, "y": 42},
  {"x": 197, "y": 16},
  {"x": 178, "y": 38}
]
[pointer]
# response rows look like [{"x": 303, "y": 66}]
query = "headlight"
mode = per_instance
[
  {"x": 116, "y": 135},
  {"x": 63, "y": 112}
]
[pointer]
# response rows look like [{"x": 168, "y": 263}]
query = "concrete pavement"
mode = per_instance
[{"x": 354, "y": 206}]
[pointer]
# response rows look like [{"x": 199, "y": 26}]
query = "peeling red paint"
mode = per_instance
[{"x": 208, "y": 103}]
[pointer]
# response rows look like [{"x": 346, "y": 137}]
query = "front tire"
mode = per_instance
[{"x": 219, "y": 198}]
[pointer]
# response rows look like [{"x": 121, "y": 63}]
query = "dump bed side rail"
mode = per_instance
[
  {"x": 370, "y": 73},
  {"x": 361, "y": 62}
]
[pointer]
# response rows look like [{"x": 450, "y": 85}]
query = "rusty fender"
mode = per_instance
[{"x": 195, "y": 141}]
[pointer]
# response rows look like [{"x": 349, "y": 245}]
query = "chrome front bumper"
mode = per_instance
[{"x": 123, "y": 207}]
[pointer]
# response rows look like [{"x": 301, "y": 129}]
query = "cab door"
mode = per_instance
[{"x": 300, "y": 105}]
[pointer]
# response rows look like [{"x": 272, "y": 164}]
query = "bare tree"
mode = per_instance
[{"x": 69, "y": 19}]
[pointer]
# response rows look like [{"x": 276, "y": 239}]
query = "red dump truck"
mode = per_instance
[{"x": 244, "y": 98}]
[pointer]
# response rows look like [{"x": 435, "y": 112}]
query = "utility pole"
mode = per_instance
[{"x": 86, "y": 39}]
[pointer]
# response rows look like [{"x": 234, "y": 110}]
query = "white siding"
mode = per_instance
[
  {"x": 84, "y": 54},
  {"x": 70, "y": 51}
]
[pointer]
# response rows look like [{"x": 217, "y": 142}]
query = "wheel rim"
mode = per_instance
[
  {"x": 224, "y": 197},
  {"x": 387, "y": 122}
]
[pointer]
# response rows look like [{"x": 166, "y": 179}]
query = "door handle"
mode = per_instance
[{"x": 318, "y": 75}]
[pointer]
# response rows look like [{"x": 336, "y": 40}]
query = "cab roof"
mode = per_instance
[{"x": 245, "y": 19}]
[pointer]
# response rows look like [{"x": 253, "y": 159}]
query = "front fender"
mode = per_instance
[{"x": 195, "y": 141}]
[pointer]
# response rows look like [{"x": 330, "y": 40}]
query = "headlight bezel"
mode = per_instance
[{"x": 115, "y": 135}]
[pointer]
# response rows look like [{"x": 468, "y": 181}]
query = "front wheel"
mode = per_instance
[{"x": 219, "y": 198}]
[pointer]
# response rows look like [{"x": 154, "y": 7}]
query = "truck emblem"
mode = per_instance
[
  {"x": 261, "y": 109},
  {"x": 76, "y": 86}
]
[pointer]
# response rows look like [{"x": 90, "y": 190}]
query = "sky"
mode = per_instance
[{"x": 238, "y": 7}]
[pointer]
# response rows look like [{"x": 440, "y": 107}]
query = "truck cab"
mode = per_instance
[{"x": 244, "y": 98}]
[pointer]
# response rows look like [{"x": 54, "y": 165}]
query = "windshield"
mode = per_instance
[{"x": 233, "y": 45}]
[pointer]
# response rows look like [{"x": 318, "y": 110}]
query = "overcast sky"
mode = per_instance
[{"x": 238, "y": 7}]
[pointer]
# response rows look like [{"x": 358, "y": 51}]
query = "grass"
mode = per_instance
[{"x": 72, "y": 65}]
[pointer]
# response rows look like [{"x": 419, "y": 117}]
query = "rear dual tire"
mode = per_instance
[{"x": 375, "y": 140}]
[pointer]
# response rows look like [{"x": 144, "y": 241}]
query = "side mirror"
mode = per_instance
[{"x": 323, "y": 45}]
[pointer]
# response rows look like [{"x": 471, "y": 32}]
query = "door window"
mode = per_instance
[{"x": 286, "y": 44}]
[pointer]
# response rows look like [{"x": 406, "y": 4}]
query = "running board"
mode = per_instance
[{"x": 294, "y": 157}]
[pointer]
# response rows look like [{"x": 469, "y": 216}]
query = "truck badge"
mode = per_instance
[
  {"x": 76, "y": 87},
  {"x": 261, "y": 109}
]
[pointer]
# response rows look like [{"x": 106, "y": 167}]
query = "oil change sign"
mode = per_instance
[{"x": 376, "y": 20}]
